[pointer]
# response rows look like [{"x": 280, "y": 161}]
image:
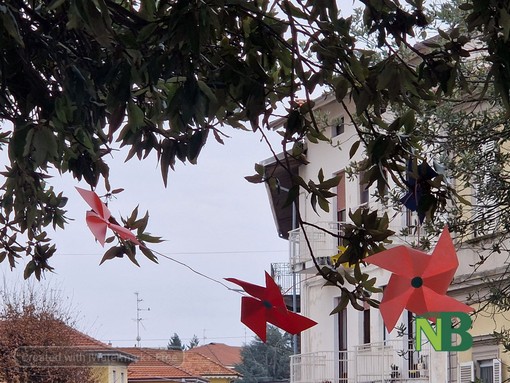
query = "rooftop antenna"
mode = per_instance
[{"x": 139, "y": 318}]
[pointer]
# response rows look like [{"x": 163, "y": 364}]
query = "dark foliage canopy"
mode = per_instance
[{"x": 80, "y": 79}]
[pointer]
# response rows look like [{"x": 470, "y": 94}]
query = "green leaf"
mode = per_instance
[
  {"x": 207, "y": 91},
  {"x": 330, "y": 183},
  {"x": 292, "y": 195},
  {"x": 113, "y": 252},
  {"x": 323, "y": 203},
  {"x": 342, "y": 303},
  {"x": 354, "y": 149},
  {"x": 254, "y": 179},
  {"x": 55, "y": 4},
  {"x": 130, "y": 252},
  {"x": 357, "y": 272},
  {"x": 341, "y": 89},
  {"x": 260, "y": 169},
  {"x": 45, "y": 145},
  {"x": 349, "y": 278},
  {"x": 11, "y": 26},
  {"x": 149, "y": 254},
  {"x": 321, "y": 175},
  {"x": 197, "y": 142},
  {"x": 135, "y": 115},
  {"x": 29, "y": 269}
]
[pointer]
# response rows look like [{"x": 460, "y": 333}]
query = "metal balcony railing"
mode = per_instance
[
  {"x": 322, "y": 241},
  {"x": 389, "y": 361},
  {"x": 322, "y": 367},
  {"x": 316, "y": 239},
  {"x": 288, "y": 281}
]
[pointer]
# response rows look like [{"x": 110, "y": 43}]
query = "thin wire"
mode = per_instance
[
  {"x": 106, "y": 340},
  {"x": 204, "y": 252},
  {"x": 211, "y": 278},
  {"x": 197, "y": 272}
]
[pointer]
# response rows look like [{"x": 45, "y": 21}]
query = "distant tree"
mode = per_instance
[
  {"x": 175, "y": 343},
  {"x": 193, "y": 342},
  {"x": 266, "y": 361},
  {"x": 32, "y": 329}
]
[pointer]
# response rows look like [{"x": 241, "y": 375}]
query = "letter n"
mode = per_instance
[{"x": 434, "y": 337}]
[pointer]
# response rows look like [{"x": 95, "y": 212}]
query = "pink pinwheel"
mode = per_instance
[
  {"x": 419, "y": 281},
  {"x": 98, "y": 220},
  {"x": 266, "y": 305}
]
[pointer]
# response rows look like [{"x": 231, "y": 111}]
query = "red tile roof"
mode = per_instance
[
  {"x": 157, "y": 364},
  {"x": 202, "y": 365},
  {"x": 174, "y": 364},
  {"x": 226, "y": 355},
  {"x": 83, "y": 342}
]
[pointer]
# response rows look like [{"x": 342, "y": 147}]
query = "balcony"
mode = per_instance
[
  {"x": 289, "y": 283},
  {"x": 319, "y": 241},
  {"x": 389, "y": 361}
]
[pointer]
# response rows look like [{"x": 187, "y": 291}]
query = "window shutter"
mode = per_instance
[
  {"x": 484, "y": 210},
  {"x": 466, "y": 372},
  {"x": 496, "y": 371}
]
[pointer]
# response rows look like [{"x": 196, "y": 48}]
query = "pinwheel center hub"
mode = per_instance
[
  {"x": 267, "y": 304},
  {"x": 416, "y": 282}
]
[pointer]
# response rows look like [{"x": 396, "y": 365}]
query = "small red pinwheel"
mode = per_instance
[
  {"x": 266, "y": 305},
  {"x": 419, "y": 281},
  {"x": 99, "y": 219}
]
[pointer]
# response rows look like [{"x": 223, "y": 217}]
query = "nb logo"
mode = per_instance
[{"x": 441, "y": 337}]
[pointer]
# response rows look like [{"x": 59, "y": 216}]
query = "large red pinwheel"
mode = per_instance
[
  {"x": 419, "y": 281},
  {"x": 266, "y": 305},
  {"x": 98, "y": 220}
]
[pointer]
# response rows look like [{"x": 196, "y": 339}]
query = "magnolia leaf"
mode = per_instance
[{"x": 113, "y": 252}]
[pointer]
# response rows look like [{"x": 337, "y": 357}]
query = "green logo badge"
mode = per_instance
[{"x": 441, "y": 337}]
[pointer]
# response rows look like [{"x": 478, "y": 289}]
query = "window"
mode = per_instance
[
  {"x": 363, "y": 190},
  {"x": 486, "y": 371},
  {"x": 366, "y": 323},
  {"x": 122, "y": 377},
  {"x": 490, "y": 371},
  {"x": 114, "y": 376},
  {"x": 340, "y": 199},
  {"x": 342, "y": 343},
  {"x": 338, "y": 127},
  {"x": 410, "y": 221},
  {"x": 341, "y": 215},
  {"x": 342, "y": 330}
]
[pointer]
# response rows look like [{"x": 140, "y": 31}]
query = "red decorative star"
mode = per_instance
[
  {"x": 98, "y": 220},
  {"x": 266, "y": 305},
  {"x": 419, "y": 281}
]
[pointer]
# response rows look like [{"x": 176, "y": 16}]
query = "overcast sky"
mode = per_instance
[{"x": 212, "y": 219}]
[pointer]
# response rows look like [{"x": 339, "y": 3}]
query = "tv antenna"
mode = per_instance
[{"x": 139, "y": 318}]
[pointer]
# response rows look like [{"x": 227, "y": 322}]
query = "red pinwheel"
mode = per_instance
[
  {"x": 266, "y": 305},
  {"x": 99, "y": 219},
  {"x": 419, "y": 281}
]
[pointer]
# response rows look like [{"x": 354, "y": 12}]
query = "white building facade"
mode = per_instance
[{"x": 353, "y": 346}]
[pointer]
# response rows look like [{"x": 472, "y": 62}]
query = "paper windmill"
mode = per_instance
[
  {"x": 419, "y": 281},
  {"x": 418, "y": 186},
  {"x": 99, "y": 219},
  {"x": 336, "y": 257},
  {"x": 266, "y": 305}
]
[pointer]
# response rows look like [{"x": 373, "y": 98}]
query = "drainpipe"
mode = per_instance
[{"x": 294, "y": 280}]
